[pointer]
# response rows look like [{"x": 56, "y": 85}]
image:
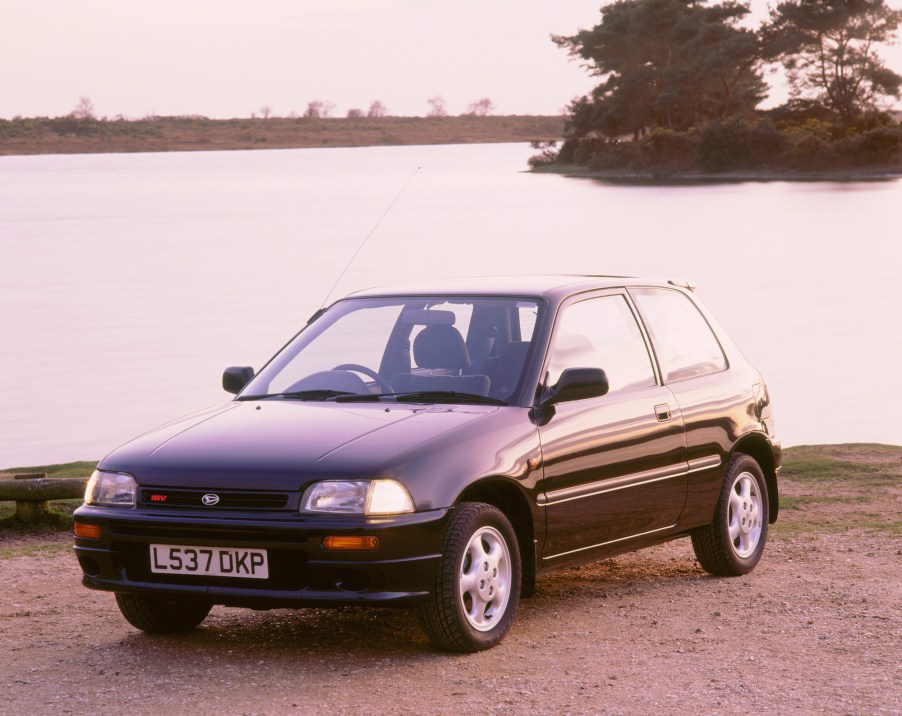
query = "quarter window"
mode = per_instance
[
  {"x": 602, "y": 333},
  {"x": 684, "y": 343}
]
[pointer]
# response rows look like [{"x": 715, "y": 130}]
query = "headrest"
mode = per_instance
[{"x": 441, "y": 347}]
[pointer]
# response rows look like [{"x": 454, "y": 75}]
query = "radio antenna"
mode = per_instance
[{"x": 367, "y": 237}]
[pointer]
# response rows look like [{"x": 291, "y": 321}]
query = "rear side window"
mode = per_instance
[{"x": 684, "y": 342}]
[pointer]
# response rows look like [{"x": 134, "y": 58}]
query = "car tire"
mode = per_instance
[
  {"x": 162, "y": 615},
  {"x": 477, "y": 588},
  {"x": 734, "y": 541}
]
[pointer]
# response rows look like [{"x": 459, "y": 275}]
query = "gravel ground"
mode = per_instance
[{"x": 815, "y": 629}]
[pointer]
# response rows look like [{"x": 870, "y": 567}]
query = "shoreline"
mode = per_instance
[
  {"x": 648, "y": 176},
  {"x": 66, "y": 135},
  {"x": 41, "y": 136}
]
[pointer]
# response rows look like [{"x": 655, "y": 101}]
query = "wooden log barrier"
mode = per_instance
[{"x": 32, "y": 493}]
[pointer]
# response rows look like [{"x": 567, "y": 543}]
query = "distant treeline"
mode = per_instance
[
  {"x": 681, "y": 81},
  {"x": 87, "y": 134}
]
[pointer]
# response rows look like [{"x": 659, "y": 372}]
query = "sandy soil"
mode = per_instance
[{"x": 815, "y": 629}]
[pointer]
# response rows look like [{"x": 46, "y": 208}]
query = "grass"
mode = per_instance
[
  {"x": 836, "y": 488},
  {"x": 798, "y": 502},
  {"x": 35, "y": 549},
  {"x": 58, "y": 519},
  {"x": 68, "y": 469},
  {"x": 878, "y": 525},
  {"x": 870, "y": 464},
  {"x": 54, "y": 521}
]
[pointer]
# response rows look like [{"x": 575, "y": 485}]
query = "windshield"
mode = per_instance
[{"x": 464, "y": 349}]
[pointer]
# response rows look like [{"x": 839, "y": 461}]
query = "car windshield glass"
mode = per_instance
[{"x": 429, "y": 349}]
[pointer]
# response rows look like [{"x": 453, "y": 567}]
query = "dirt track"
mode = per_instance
[{"x": 817, "y": 628}]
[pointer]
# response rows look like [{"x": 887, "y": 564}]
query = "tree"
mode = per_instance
[
  {"x": 318, "y": 109},
  {"x": 665, "y": 63},
  {"x": 480, "y": 108},
  {"x": 437, "y": 107},
  {"x": 355, "y": 113},
  {"x": 265, "y": 111},
  {"x": 828, "y": 50},
  {"x": 377, "y": 109},
  {"x": 84, "y": 108}
]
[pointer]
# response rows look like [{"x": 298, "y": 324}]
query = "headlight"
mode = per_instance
[
  {"x": 358, "y": 497},
  {"x": 111, "y": 489}
]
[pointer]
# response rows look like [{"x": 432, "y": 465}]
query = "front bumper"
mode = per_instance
[{"x": 302, "y": 573}]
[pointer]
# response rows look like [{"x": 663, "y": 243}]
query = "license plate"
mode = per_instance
[{"x": 209, "y": 561}]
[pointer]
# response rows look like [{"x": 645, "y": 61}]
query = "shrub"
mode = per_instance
[
  {"x": 879, "y": 146},
  {"x": 548, "y": 155},
  {"x": 807, "y": 145},
  {"x": 567, "y": 152},
  {"x": 799, "y": 111},
  {"x": 616, "y": 155},
  {"x": 70, "y": 125},
  {"x": 739, "y": 144},
  {"x": 587, "y": 147},
  {"x": 668, "y": 149}
]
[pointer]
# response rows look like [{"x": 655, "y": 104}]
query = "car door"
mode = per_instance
[
  {"x": 717, "y": 400},
  {"x": 615, "y": 465}
]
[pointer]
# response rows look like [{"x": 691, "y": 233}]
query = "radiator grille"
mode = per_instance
[{"x": 166, "y": 499}]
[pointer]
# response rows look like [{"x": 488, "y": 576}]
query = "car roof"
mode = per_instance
[{"x": 552, "y": 286}]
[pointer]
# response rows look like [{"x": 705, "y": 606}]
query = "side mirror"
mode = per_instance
[
  {"x": 235, "y": 378},
  {"x": 577, "y": 384}
]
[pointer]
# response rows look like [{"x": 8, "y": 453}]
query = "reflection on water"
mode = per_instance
[{"x": 127, "y": 282}]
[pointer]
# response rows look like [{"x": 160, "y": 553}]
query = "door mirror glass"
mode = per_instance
[{"x": 577, "y": 384}]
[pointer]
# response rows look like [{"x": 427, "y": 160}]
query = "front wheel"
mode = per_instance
[
  {"x": 162, "y": 615},
  {"x": 734, "y": 541},
  {"x": 477, "y": 588}
]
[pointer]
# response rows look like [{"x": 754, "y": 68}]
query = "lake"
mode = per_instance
[{"x": 128, "y": 282}]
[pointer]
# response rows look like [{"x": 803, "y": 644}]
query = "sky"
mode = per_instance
[{"x": 231, "y": 58}]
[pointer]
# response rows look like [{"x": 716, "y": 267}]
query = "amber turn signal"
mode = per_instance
[
  {"x": 83, "y": 529},
  {"x": 350, "y": 544}
]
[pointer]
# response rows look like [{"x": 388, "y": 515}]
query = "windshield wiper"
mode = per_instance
[
  {"x": 424, "y": 396},
  {"x": 317, "y": 394}
]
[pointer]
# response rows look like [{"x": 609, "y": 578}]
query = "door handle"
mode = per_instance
[{"x": 662, "y": 412}]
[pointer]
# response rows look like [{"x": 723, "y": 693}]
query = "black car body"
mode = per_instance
[{"x": 440, "y": 446}]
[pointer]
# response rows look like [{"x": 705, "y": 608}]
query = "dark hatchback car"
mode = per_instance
[{"x": 439, "y": 447}]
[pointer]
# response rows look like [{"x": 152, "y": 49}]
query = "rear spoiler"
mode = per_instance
[{"x": 688, "y": 285}]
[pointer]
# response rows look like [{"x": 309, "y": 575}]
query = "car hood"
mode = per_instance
[{"x": 283, "y": 444}]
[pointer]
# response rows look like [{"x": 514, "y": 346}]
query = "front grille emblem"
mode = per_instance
[{"x": 210, "y": 499}]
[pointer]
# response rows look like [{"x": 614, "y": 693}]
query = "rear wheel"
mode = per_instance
[
  {"x": 162, "y": 615},
  {"x": 734, "y": 541},
  {"x": 478, "y": 586}
]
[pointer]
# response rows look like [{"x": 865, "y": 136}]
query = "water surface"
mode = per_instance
[{"x": 128, "y": 282}]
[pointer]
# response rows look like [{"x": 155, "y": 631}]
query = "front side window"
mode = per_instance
[
  {"x": 602, "y": 333},
  {"x": 684, "y": 342}
]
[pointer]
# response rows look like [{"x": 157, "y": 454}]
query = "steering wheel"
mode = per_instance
[{"x": 370, "y": 373}]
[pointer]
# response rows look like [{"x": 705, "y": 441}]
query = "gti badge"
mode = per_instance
[{"x": 209, "y": 500}]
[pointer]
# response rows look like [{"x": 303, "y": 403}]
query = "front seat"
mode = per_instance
[{"x": 442, "y": 359}]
